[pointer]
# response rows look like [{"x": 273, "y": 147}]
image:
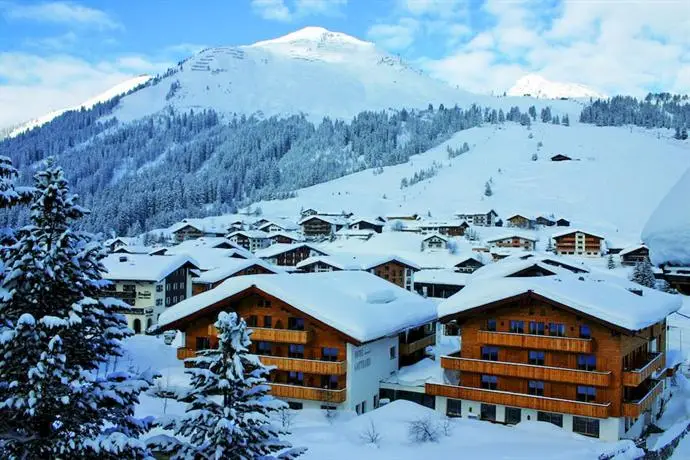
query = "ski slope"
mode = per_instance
[
  {"x": 616, "y": 179},
  {"x": 539, "y": 87}
]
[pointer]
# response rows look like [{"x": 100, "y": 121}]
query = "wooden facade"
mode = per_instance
[
  {"x": 520, "y": 221},
  {"x": 318, "y": 226},
  {"x": 514, "y": 242},
  {"x": 188, "y": 232},
  {"x": 530, "y": 352},
  {"x": 634, "y": 256},
  {"x": 293, "y": 256},
  {"x": 578, "y": 243}
]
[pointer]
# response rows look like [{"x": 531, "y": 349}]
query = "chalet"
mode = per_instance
[
  {"x": 633, "y": 255},
  {"x": 232, "y": 267},
  {"x": 443, "y": 228},
  {"x": 562, "y": 223},
  {"x": 578, "y": 242},
  {"x": 289, "y": 255},
  {"x": 321, "y": 226},
  {"x": 121, "y": 241},
  {"x": 332, "y": 337},
  {"x": 528, "y": 265},
  {"x": 308, "y": 212},
  {"x": 251, "y": 240},
  {"x": 468, "y": 265},
  {"x": 560, "y": 157},
  {"x": 513, "y": 241},
  {"x": 520, "y": 221},
  {"x": 402, "y": 216},
  {"x": 131, "y": 249},
  {"x": 148, "y": 284},
  {"x": 363, "y": 223},
  {"x": 545, "y": 221},
  {"x": 236, "y": 225},
  {"x": 190, "y": 229},
  {"x": 209, "y": 242},
  {"x": 585, "y": 355},
  {"x": 439, "y": 284},
  {"x": 480, "y": 219},
  {"x": 678, "y": 278},
  {"x": 391, "y": 268},
  {"x": 280, "y": 226},
  {"x": 284, "y": 237},
  {"x": 433, "y": 242}
]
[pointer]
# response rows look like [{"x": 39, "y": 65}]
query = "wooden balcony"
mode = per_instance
[
  {"x": 527, "y": 371},
  {"x": 637, "y": 408},
  {"x": 537, "y": 342},
  {"x": 540, "y": 403},
  {"x": 280, "y": 390},
  {"x": 263, "y": 334},
  {"x": 634, "y": 377},
  {"x": 184, "y": 353},
  {"x": 309, "y": 366},
  {"x": 409, "y": 348}
]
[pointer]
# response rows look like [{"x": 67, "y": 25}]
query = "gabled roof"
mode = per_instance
[
  {"x": 441, "y": 276},
  {"x": 474, "y": 213},
  {"x": 333, "y": 220},
  {"x": 254, "y": 234},
  {"x": 368, "y": 220},
  {"x": 345, "y": 261},
  {"x": 210, "y": 258},
  {"x": 126, "y": 240},
  {"x": 294, "y": 236},
  {"x": 632, "y": 249},
  {"x": 575, "y": 230},
  {"x": 130, "y": 249},
  {"x": 609, "y": 302},
  {"x": 208, "y": 242},
  {"x": 513, "y": 235},
  {"x": 435, "y": 235},
  {"x": 360, "y": 305},
  {"x": 143, "y": 267},
  {"x": 232, "y": 266},
  {"x": 514, "y": 265},
  {"x": 280, "y": 248},
  {"x": 202, "y": 225},
  {"x": 285, "y": 225}
]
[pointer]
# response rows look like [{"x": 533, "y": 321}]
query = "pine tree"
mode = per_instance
[
  {"x": 9, "y": 194},
  {"x": 684, "y": 134},
  {"x": 487, "y": 189},
  {"x": 566, "y": 120},
  {"x": 55, "y": 333},
  {"x": 610, "y": 263},
  {"x": 643, "y": 274},
  {"x": 236, "y": 424},
  {"x": 677, "y": 135}
]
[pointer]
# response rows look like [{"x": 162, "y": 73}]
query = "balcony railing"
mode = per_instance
[
  {"x": 527, "y": 371},
  {"x": 184, "y": 353},
  {"x": 280, "y": 390},
  {"x": 538, "y": 342},
  {"x": 409, "y": 348},
  {"x": 634, "y": 377},
  {"x": 540, "y": 403},
  {"x": 264, "y": 334},
  {"x": 636, "y": 408},
  {"x": 309, "y": 366}
]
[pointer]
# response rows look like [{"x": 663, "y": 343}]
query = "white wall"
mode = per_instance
[{"x": 363, "y": 383}]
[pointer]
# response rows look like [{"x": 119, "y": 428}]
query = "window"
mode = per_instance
[
  {"x": 490, "y": 353},
  {"x": 517, "y": 326},
  {"x": 376, "y": 401},
  {"x": 586, "y": 362},
  {"x": 296, "y": 324},
  {"x": 203, "y": 343},
  {"x": 358, "y": 409},
  {"x": 159, "y": 288},
  {"x": 454, "y": 408},
  {"x": 295, "y": 405},
  {"x": 586, "y": 394},
  {"x": 556, "y": 419},
  {"x": 265, "y": 303},
  {"x": 490, "y": 324},
  {"x": 489, "y": 382},
  {"x": 536, "y": 327},
  {"x": 251, "y": 321},
  {"x": 391, "y": 352},
  {"x": 295, "y": 378},
  {"x": 364, "y": 406},
  {"x": 159, "y": 302},
  {"x": 513, "y": 415},
  {"x": 488, "y": 412},
  {"x": 536, "y": 357},
  {"x": 268, "y": 321},
  {"x": 586, "y": 426},
  {"x": 327, "y": 407},
  {"x": 264, "y": 348},
  {"x": 557, "y": 329},
  {"x": 536, "y": 388},
  {"x": 585, "y": 332},
  {"x": 129, "y": 288},
  {"x": 329, "y": 381},
  {"x": 329, "y": 354},
  {"x": 296, "y": 351}
]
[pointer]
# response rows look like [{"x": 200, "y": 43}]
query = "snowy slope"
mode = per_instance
[
  {"x": 537, "y": 86},
  {"x": 116, "y": 90},
  {"x": 616, "y": 180},
  {"x": 312, "y": 71}
]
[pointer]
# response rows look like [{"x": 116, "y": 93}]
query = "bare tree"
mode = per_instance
[
  {"x": 286, "y": 417},
  {"x": 371, "y": 435},
  {"x": 423, "y": 430}
]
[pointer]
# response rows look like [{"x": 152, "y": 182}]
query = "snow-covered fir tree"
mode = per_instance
[
  {"x": 229, "y": 411},
  {"x": 55, "y": 333},
  {"x": 643, "y": 274},
  {"x": 610, "y": 263},
  {"x": 487, "y": 189}
]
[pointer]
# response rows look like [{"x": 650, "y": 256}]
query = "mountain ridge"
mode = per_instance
[{"x": 534, "y": 85}]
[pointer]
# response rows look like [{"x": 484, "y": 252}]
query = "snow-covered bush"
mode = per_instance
[{"x": 423, "y": 430}]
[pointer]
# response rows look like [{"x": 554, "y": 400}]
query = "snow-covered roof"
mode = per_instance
[
  {"x": 210, "y": 258},
  {"x": 358, "y": 304},
  {"x": 610, "y": 302},
  {"x": 525, "y": 216},
  {"x": 352, "y": 232},
  {"x": 475, "y": 213},
  {"x": 232, "y": 266},
  {"x": 574, "y": 230},
  {"x": 203, "y": 225},
  {"x": 280, "y": 248},
  {"x": 369, "y": 220},
  {"x": 291, "y": 235},
  {"x": 132, "y": 249},
  {"x": 284, "y": 224},
  {"x": 632, "y": 249},
  {"x": 517, "y": 263},
  {"x": 253, "y": 234},
  {"x": 350, "y": 261},
  {"x": 126, "y": 240},
  {"x": 435, "y": 235},
  {"x": 333, "y": 220},
  {"x": 143, "y": 267},
  {"x": 511, "y": 236},
  {"x": 208, "y": 242},
  {"x": 441, "y": 276}
]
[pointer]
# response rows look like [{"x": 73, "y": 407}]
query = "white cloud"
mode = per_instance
[
  {"x": 279, "y": 10},
  {"x": 60, "y": 12},
  {"x": 35, "y": 85},
  {"x": 394, "y": 36}
]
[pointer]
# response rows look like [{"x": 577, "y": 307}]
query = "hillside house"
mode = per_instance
[
  {"x": 434, "y": 242},
  {"x": 189, "y": 229},
  {"x": 148, "y": 284},
  {"x": 363, "y": 223},
  {"x": 443, "y": 228},
  {"x": 211, "y": 279},
  {"x": 322, "y": 226},
  {"x": 468, "y": 265},
  {"x": 479, "y": 219},
  {"x": 251, "y": 240},
  {"x": 332, "y": 337},
  {"x": 402, "y": 216},
  {"x": 520, "y": 221},
  {"x": 579, "y": 243},
  {"x": 289, "y": 255},
  {"x": 560, "y": 157},
  {"x": 308, "y": 212},
  {"x": 121, "y": 241},
  {"x": 545, "y": 221},
  {"x": 584, "y": 355},
  {"x": 678, "y": 278},
  {"x": 562, "y": 223},
  {"x": 280, "y": 226},
  {"x": 284, "y": 238},
  {"x": 513, "y": 241},
  {"x": 633, "y": 255}
]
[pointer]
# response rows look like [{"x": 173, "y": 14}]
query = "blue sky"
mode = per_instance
[{"x": 57, "y": 53}]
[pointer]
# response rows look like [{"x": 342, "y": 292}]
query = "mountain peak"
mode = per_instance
[
  {"x": 314, "y": 35},
  {"x": 537, "y": 86}
]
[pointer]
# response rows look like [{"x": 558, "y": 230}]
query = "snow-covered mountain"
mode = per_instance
[
  {"x": 537, "y": 86},
  {"x": 120, "y": 88}
]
